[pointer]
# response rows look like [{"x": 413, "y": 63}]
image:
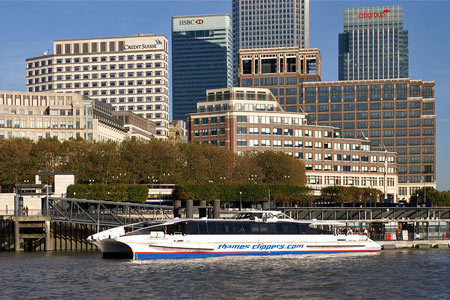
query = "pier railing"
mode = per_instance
[
  {"x": 103, "y": 213},
  {"x": 368, "y": 213},
  {"x": 383, "y": 223}
]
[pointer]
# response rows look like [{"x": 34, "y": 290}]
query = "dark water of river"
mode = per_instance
[{"x": 399, "y": 274}]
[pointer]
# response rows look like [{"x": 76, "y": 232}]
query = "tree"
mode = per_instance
[
  {"x": 245, "y": 167},
  {"x": 432, "y": 195},
  {"x": 278, "y": 167},
  {"x": 344, "y": 194},
  {"x": 195, "y": 165},
  {"x": 133, "y": 156},
  {"x": 220, "y": 163},
  {"x": 75, "y": 153},
  {"x": 103, "y": 161},
  {"x": 445, "y": 198},
  {"x": 16, "y": 163},
  {"x": 48, "y": 155},
  {"x": 165, "y": 161}
]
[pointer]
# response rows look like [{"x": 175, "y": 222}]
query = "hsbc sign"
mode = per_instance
[{"x": 191, "y": 22}]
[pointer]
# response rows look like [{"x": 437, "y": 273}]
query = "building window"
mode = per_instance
[
  {"x": 402, "y": 92},
  {"x": 362, "y": 92},
  {"x": 427, "y": 92},
  {"x": 336, "y": 94},
  {"x": 414, "y": 91},
  {"x": 375, "y": 92}
]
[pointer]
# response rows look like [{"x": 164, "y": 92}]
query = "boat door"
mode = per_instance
[{"x": 178, "y": 237}]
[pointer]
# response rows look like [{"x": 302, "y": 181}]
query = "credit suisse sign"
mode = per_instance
[
  {"x": 382, "y": 14},
  {"x": 141, "y": 44},
  {"x": 191, "y": 22}
]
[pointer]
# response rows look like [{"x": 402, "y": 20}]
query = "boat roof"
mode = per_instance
[
  {"x": 315, "y": 222},
  {"x": 273, "y": 212}
]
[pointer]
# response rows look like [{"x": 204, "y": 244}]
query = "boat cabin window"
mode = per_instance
[
  {"x": 261, "y": 215},
  {"x": 249, "y": 215},
  {"x": 147, "y": 230},
  {"x": 245, "y": 227}
]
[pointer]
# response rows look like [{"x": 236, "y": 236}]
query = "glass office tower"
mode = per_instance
[
  {"x": 267, "y": 24},
  {"x": 201, "y": 59},
  {"x": 374, "y": 44}
]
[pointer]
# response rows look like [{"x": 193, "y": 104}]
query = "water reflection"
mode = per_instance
[{"x": 396, "y": 274}]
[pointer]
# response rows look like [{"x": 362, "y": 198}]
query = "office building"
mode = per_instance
[
  {"x": 131, "y": 73},
  {"x": 136, "y": 126},
  {"x": 269, "y": 23},
  {"x": 374, "y": 44},
  {"x": 201, "y": 59},
  {"x": 37, "y": 115},
  {"x": 178, "y": 131},
  {"x": 251, "y": 119},
  {"x": 393, "y": 114}
]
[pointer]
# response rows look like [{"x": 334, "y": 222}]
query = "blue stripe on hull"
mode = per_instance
[{"x": 176, "y": 255}]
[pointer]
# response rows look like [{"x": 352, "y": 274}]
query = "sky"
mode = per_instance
[{"x": 28, "y": 28}]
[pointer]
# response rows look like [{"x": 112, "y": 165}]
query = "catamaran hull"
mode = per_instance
[
  {"x": 180, "y": 255},
  {"x": 174, "y": 250},
  {"x": 113, "y": 249},
  {"x": 186, "y": 239}
]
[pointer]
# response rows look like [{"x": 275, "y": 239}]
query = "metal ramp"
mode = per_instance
[{"x": 103, "y": 213}]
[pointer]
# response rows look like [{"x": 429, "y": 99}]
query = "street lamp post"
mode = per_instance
[
  {"x": 424, "y": 191},
  {"x": 240, "y": 201}
]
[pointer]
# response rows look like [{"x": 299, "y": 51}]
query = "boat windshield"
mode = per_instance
[{"x": 262, "y": 215}]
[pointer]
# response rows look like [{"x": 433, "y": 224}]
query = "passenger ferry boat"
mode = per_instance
[{"x": 250, "y": 233}]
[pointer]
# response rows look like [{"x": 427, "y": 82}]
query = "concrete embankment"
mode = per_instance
[{"x": 423, "y": 244}]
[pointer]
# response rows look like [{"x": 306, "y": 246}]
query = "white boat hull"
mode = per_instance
[
  {"x": 172, "y": 247},
  {"x": 173, "y": 239}
]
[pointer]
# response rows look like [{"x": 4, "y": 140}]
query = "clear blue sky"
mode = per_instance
[{"x": 28, "y": 28}]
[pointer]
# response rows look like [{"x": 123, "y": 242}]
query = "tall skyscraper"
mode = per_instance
[
  {"x": 374, "y": 44},
  {"x": 131, "y": 73},
  {"x": 269, "y": 23},
  {"x": 201, "y": 59}
]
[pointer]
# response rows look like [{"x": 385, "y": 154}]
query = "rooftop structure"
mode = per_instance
[{"x": 269, "y": 23}]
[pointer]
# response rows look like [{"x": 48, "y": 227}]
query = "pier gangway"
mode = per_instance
[{"x": 103, "y": 213}]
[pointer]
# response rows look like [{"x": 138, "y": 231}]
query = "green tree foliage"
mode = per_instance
[
  {"x": 251, "y": 192},
  {"x": 269, "y": 167},
  {"x": 436, "y": 197},
  {"x": 16, "y": 163},
  {"x": 48, "y": 155},
  {"x": 111, "y": 192},
  {"x": 247, "y": 169},
  {"x": 343, "y": 194},
  {"x": 76, "y": 159},
  {"x": 145, "y": 162}
]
